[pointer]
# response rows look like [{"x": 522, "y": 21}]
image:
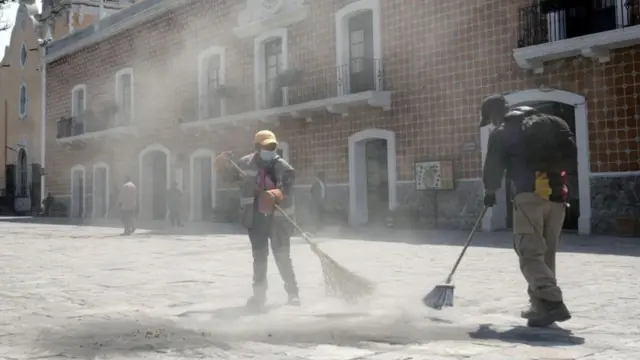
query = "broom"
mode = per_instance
[
  {"x": 339, "y": 281},
  {"x": 442, "y": 295}
]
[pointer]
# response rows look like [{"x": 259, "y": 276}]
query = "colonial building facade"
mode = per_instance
[
  {"x": 367, "y": 91},
  {"x": 21, "y": 85}
]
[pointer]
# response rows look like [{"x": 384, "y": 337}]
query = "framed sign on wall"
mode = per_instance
[{"x": 434, "y": 175}]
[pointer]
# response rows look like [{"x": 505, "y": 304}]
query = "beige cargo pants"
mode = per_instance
[{"x": 537, "y": 225}]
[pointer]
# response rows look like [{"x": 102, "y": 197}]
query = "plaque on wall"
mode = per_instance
[{"x": 434, "y": 175}]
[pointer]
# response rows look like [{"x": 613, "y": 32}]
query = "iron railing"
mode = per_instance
[
  {"x": 299, "y": 86},
  {"x": 87, "y": 123},
  {"x": 552, "y": 20}
]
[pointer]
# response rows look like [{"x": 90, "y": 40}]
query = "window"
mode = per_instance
[
  {"x": 359, "y": 47},
  {"x": 23, "y": 55},
  {"x": 270, "y": 60},
  {"x": 22, "y": 108},
  {"x": 211, "y": 71},
  {"x": 124, "y": 96},
  {"x": 587, "y": 18},
  {"x": 78, "y": 100}
]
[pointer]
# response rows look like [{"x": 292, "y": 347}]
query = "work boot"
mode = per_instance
[
  {"x": 529, "y": 312},
  {"x": 548, "y": 313},
  {"x": 256, "y": 302},
  {"x": 294, "y": 300}
]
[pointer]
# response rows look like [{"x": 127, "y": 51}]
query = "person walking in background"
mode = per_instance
[
  {"x": 174, "y": 203},
  {"x": 318, "y": 198},
  {"x": 128, "y": 203},
  {"x": 48, "y": 204}
]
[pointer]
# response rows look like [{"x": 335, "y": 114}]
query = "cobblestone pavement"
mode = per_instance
[{"x": 85, "y": 292}]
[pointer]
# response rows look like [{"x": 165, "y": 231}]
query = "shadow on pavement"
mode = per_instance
[
  {"x": 231, "y": 313},
  {"x": 570, "y": 242},
  {"x": 555, "y": 336}
]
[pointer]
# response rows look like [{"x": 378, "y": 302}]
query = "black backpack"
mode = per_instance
[{"x": 545, "y": 137}]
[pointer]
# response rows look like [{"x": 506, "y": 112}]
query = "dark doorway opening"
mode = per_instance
[
  {"x": 158, "y": 185},
  {"x": 377, "y": 180}
]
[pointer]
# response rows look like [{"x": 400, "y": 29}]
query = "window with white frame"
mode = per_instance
[
  {"x": 124, "y": 96},
  {"x": 22, "y": 101},
  {"x": 359, "y": 47},
  {"x": 270, "y": 60},
  {"x": 211, "y": 83},
  {"x": 78, "y": 100},
  {"x": 23, "y": 55}
]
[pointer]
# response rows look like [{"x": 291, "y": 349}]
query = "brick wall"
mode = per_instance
[{"x": 442, "y": 58}]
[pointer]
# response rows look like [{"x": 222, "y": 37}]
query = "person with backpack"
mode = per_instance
[
  {"x": 534, "y": 149},
  {"x": 266, "y": 180}
]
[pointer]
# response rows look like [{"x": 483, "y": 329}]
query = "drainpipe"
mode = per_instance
[{"x": 43, "y": 120}]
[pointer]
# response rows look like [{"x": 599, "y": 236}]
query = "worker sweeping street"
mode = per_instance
[
  {"x": 534, "y": 149},
  {"x": 265, "y": 180}
]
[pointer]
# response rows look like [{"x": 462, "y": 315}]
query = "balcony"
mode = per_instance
[
  {"x": 77, "y": 130},
  {"x": 556, "y": 29},
  {"x": 298, "y": 94}
]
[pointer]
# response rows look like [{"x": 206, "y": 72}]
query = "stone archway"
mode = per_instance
[
  {"x": 495, "y": 218},
  {"x": 358, "y": 203},
  {"x": 101, "y": 196},
  {"x": 154, "y": 178}
]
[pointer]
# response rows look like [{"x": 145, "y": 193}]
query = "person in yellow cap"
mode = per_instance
[{"x": 267, "y": 180}]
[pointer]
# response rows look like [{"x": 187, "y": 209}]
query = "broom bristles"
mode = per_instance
[
  {"x": 441, "y": 296},
  {"x": 341, "y": 282}
]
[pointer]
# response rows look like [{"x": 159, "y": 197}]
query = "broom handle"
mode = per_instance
[
  {"x": 286, "y": 216},
  {"x": 464, "y": 249}
]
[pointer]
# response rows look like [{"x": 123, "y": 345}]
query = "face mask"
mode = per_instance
[{"x": 267, "y": 155}]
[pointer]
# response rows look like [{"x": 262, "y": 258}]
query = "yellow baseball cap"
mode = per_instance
[{"x": 265, "y": 137}]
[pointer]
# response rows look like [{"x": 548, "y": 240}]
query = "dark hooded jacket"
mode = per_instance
[{"x": 507, "y": 151}]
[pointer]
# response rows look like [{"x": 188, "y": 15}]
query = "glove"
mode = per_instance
[
  {"x": 489, "y": 199},
  {"x": 271, "y": 197},
  {"x": 221, "y": 160}
]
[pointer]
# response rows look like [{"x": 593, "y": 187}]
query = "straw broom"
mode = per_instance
[
  {"x": 339, "y": 281},
  {"x": 442, "y": 295}
]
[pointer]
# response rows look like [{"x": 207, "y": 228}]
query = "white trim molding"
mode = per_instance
[
  {"x": 342, "y": 18},
  {"x": 96, "y": 166},
  {"x": 203, "y": 77},
  {"x": 118, "y": 96},
  {"x": 83, "y": 170},
  {"x": 495, "y": 218},
  {"x": 284, "y": 146},
  {"x": 259, "y": 58},
  {"x": 22, "y": 113},
  {"x": 148, "y": 150},
  {"x": 260, "y": 16},
  {"x": 358, "y": 213},
  {"x": 79, "y": 87},
  {"x": 200, "y": 153}
]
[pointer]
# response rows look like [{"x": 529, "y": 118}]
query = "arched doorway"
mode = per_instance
[
  {"x": 22, "y": 174},
  {"x": 154, "y": 181},
  {"x": 100, "y": 190},
  {"x": 372, "y": 175},
  {"x": 202, "y": 185},
  {"x": 497, "y": 217},
  {"x": 78, "y": 187}
]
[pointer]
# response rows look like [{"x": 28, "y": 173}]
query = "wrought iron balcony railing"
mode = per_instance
[
  {"x": 89, "y": 123},
  {"x": 295, "y": 86},
  {"x": 552, "y": 20}
]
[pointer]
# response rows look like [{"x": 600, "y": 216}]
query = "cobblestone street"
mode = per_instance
[{"x": 86, "y": 292}]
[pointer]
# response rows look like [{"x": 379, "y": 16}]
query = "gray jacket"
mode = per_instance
[{"x": 279, "y": 171}]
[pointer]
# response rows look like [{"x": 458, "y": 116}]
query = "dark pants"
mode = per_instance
[
  {"x": 128, "y": 220},
  {"x": 263, "y": 229},
  {"x": 174, "y": 216}
]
